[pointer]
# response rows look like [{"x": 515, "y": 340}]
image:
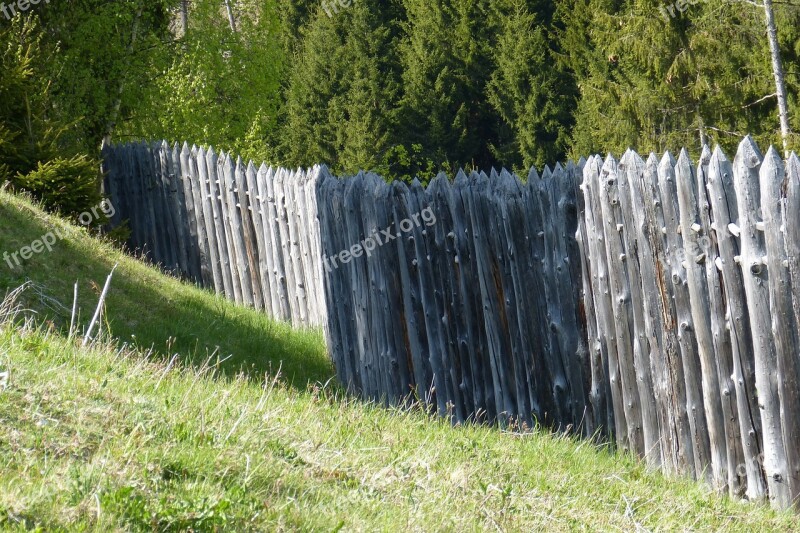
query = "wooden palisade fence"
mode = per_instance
[
  {"x": 650, "y": 301},
  {"x": 248, "y": 233},
  {"x": 690, "y": 270},
  {"x": 475, "y": 312}
]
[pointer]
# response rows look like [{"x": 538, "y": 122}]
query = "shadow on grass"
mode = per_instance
[{"x": 148, "y": 309}]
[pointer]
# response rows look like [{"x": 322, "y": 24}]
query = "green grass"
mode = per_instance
[
  {"x": 146, "y": 308},
  {"x": 111, "y": 438}
]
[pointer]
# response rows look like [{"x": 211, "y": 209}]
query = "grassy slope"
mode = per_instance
[
  {"x": 146, "y": 308},
  {"x": 110, "y": 439}
]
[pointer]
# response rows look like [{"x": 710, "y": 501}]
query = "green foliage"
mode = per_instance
[
  {"x": 411, "y": 87},
  {"x": 214, "y": 86},
  {"x": 68, "y": 185},
  {"x": 655, "y": 82},
  {"x": 529, "y": 89},
  {"x": 339, "y": 101},
  {"x": 36, "y": 153},
  {"x": 402, "y": 87}
]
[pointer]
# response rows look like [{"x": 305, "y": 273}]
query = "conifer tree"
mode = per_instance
[
  {"x": 530, "y": 91},
  {"x": 340, "y": 96}
]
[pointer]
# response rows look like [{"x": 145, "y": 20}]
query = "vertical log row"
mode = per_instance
[
  {"x": 437, "y": 295},
  {"x": 252, "y": 235}
]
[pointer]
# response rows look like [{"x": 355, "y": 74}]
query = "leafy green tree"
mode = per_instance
[
  {"x": 446, "y": 63},
  {"x": 215, "y": 85},
  {"x": 33, "y": 150},
  {"x": 654, "y": 81}
]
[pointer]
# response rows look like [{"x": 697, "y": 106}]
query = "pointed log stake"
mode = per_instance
[
  {"x": 791, "y": 224},
  {"x": 701, "y": 317},
  {"x": 721, "y": 335},
  {"x": 756, "y": 281},
  {"x": 623, "y": 210},
  {"x": 602, "y": 291},
  {"x": 784, "y": 324},
  {"x": 690, "y": 360},
  {"x": 724, "y": 210},
  {"x": 97, "y": 311}
]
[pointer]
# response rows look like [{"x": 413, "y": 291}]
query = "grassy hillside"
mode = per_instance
[
  {"x": 109, "y": 438},
  {"x": 145, "y": 308}
]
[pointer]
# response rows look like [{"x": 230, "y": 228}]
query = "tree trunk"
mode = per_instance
[
  {"x": 231, "y": 19},
  {"x": 184, "y": 17},
  {"x": 777, "y": 70}
]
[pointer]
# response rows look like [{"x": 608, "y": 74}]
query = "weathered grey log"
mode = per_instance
[
  {"x": 542, "y": 209},
  {"x": 338, "y": 340},
  {"x": 562, "y": 200},
  {"x": 232, "y": 226},
  {"x": 700, "y": 308},
  {"x": 412, "y": 318},
  {"x": 186, "y": 246},
  {"x": 151, "y": 199},
  {"x": 292, "y": 223},
  {"x": 272, "y": 287},
  {"x": 622, "y": 209},
  {"x": 469, "y": 310},
  {"x": 441, "y": 249},
  {"x": 573, "y": 217},
  {"x": 620, "y": 303},
  {"x": 485, "y": 272},
  {"x": 248, "y": 233},
  {"x": 282, "y": 226},
  {"x": 547, "y": 370},
  {"x": 784, "y": 326},
  {"x": 225, "y": 240},
  {"x": 194, "y": 207},
  {"x": 756, "y": 284},
  {"x": 207, "y": 173},
  {"x": 312, "y": 209},
  {"x": 672, "y": 384},
  {"x": 597, "y": 393},
  {"x": 601, "y": 285},
  {"x": 720, "y": 332},
  {"x": 531, "y": 321},
  {"x": 256, "y": 208},
  {"x": 791, "y": 227},
  {"x": 647, "y": 282},
  {"x": 170, "y": 216},
  {"x": 692, "y": 371},
  {"x": 140, "y": 164},
  {"x": 304, "y": 232},
  {"x": 725, "y": 214}
]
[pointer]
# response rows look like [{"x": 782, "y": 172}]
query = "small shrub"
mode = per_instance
[{"x": 70, "y": 186}]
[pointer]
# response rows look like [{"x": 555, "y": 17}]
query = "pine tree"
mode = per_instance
[
  {"x": 446, "y": 61},
  {"x": 528, "y": 89},
  {"x": 339, "y": 102}
]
